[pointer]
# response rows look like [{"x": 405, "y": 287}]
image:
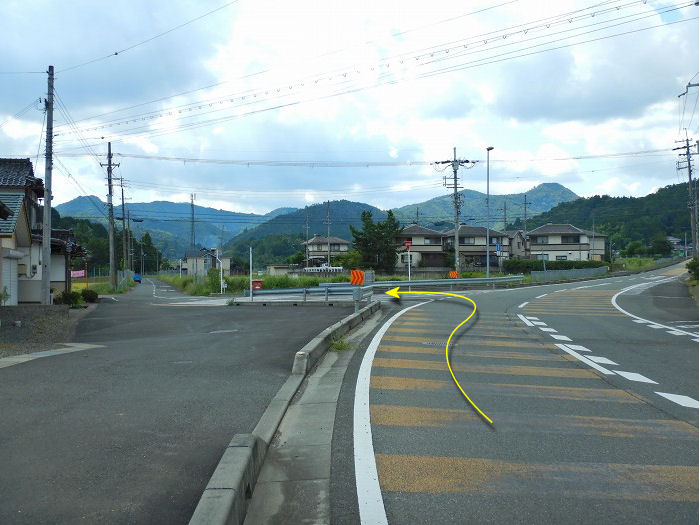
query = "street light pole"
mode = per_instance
[{"x": 488, "y": 215}]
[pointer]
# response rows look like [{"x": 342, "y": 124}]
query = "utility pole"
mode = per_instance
[
  {"x": 456, "y": 197},
  {"x": 48, "y": 167},
  {"x": 307, "y": 237},
  {"x": 192, "y": 196},
  {"x": 130, "y": 241},
  {"x": 692, "y": 202},
  {"x": 124, "y": 258},
  {"x": 591, "y": 252},
  {"x": 488, "y": 215},
  {"x": 328, "y": 222},
  {"x": 525, "y": 224},
  {"x": 110, "y": 207},
  {"x": 416, "y": 223},
  {"x": 505, "y": 217}
]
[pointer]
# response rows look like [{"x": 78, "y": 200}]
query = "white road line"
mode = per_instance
[
  {"x": 369, "y": 494},
  {"x": 583, "y": 359},
  {"x": 656, "y": 326},
  {"x": 602, "y": 360},
  {"x": 613, "y": 300},
  {"x": 524, "y": 320},
  {"x": 591, "y": 286},
  {"x": 556, "y": 291},
  {"x": 696, "y": 340},
  {"x": 547, "y": 329},
  {"x": 684, "y": 401},
  {"x": 224, "y": 331},
  {"x": 640, "y": 320},
  {"x": 531, "y": 318},
  {"x": 522, "y": 305},
  {"x": 538, "y": 323},
  {"x": 560, "y": 337},
  {"x": 634, "y": 376},
  {"x": 578, "y": 348},
  {"x": 540, "y": 296},
  {"x": 675, "y": 332}
]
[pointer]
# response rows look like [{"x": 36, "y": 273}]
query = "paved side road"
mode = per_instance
[{"x": 130, "y": 430}]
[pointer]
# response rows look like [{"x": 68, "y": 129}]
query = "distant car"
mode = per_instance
[{"x": 137, "y": 278}]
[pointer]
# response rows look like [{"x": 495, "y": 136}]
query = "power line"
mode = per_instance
[
  {"x": 150, "y": 39},
  {"x": 317, "y": 77}
]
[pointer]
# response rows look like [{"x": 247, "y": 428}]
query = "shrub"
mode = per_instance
[
  {"x": 89, "y": 295},
  {"x": 69, "y": 298},
  {"x": 692, "y": 266}
]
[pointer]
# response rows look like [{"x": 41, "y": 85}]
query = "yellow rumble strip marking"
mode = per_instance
[
  {"x": 494, "y": 354},
  {"x": 581, "y": 373},
  {"x": 509, "y": 389},
  {"x": 410, "y": 416},
  {"x": 470, "y": 335},
  {"x": 413, "y": 474}
]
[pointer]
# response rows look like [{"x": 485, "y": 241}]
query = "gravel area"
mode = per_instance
[{"x": 40, "y": 328}]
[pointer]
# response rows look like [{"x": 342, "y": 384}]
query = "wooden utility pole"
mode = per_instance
[
  {"x": 328, "y": 222},
  {"x": 692, "y": 198},
  {"x": 46, "y": 233}
]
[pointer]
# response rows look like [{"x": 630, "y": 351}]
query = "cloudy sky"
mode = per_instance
[{"x": 253, "y": 105}]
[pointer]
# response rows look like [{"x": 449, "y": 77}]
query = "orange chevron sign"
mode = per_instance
[{"x": 357, "y": 277}]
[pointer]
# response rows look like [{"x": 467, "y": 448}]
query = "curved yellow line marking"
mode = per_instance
[{"x": 395, "y": 293}]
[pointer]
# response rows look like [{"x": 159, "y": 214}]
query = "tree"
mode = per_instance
[
  {"x": 376, "y": 242},
  {"x": 660, "y": 246},
  {"x": 297, "y": 258}
]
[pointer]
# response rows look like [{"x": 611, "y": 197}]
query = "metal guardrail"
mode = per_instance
[{"x": 434, "y": 282}]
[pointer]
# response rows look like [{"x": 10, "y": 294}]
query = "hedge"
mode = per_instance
[{"x": 528, "y": 265}]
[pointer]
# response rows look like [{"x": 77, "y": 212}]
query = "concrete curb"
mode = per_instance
[{"x": 226, "y": 497}]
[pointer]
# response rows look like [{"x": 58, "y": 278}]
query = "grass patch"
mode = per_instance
[
  {"x": 632, "y": 263},
  {"x": 339, "y": 345}
]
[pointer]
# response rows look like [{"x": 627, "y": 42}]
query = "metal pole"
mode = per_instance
[
  {"x": 251, "y": 273},
  {"x": 408, "y": 251},
  {"x": 48, "y": 168},
  {"x": 221, "y": 273},
  {"x": 455, "y": 196},
  {"x": 110, "y": 207},
  {"x": 488, "y": 216},
  {"x": 124, "y": 257}
]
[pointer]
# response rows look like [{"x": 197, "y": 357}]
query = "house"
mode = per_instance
[
  {"x": 15, "y": 236},
  {"x": 199, "y": 262},
  {"x": 318, "y": 248},
  {"x": 21, "y": 236},
  {"x": 472, "y": 246},
  {"x": 517, "y": 243},
  {"x": 425, "y": 247},
  {"x": 562, "y": 242}
]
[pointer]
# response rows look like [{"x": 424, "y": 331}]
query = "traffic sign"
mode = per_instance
[
  {"x": 407, "y": 244},
  {"x": 357, "y": 277},
  {"x": 453, "y": 275}
]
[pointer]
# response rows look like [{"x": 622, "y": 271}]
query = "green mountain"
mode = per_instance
[
  {"x": 439, "y": 212},
  {"x": 624, "y": 219},
  {"x": 169, "y": 223},
  {"x": 281, "y": 236}
]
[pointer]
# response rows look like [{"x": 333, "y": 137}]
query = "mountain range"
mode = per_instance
[{"x": 169, "y": 223}]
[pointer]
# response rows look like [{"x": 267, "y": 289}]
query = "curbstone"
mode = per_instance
[{"x": 230, "y": 488}]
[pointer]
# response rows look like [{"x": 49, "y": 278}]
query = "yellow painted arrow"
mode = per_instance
[{"x": 395, "y": 293}]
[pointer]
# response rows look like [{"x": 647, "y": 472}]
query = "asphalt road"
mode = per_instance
[
  {"x": 130, "y": 430},
  {"x": 602, "y": 430}
]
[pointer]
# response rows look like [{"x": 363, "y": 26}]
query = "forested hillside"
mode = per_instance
[{"x": 624, "y": 219}]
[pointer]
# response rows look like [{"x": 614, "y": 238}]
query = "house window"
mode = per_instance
[
  {"x": 433, "y": 240},
  {"x": 518, "y": 244},
  {"x": 542, "y": 256},
  {"x": 540, "y": 239},
  {"x": 495, "y": 240},
  {"x": 335, "y": 247},
  {"x": 466, "y": 240},
  {"x": 561, "y": 257},
  {"x": 570, "y": 239}
]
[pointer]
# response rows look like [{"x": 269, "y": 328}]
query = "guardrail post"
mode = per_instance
[
  {"x": 326, "y": 293},
  {"x": 304, "y": 294},
  {"x": 356, "y": 296}
]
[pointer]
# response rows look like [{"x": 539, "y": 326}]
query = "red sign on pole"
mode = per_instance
[{"x": 407, "y": 244}]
